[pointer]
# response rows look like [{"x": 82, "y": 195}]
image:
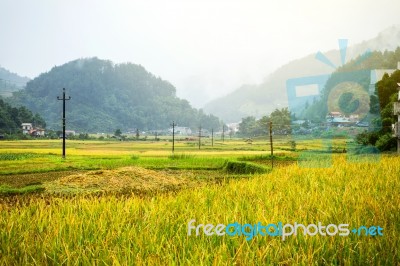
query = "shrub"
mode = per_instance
[
  {"x": 235, "y": 167},
  {"x": 386, "y": 142},
  {"x": 181, "y": 156}
]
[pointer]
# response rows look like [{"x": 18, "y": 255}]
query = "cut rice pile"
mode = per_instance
[{"x": 128, "y": 179}]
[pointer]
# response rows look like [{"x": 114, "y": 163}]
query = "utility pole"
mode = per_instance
[
  {"x": 155, "y": 135},
  {"x": 223, "y": 132},
  {"x": 212, "y": 137},
  {"x": 271, "y": 143},
  {"x": 199, "y": 137},
  {"x": 173, "y": 136},
  {"x": 63, "y": 119}
]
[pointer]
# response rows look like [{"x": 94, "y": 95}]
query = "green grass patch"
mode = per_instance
[
  {"x": 181, "y": 156},
  {"x": 264, "y": 157},
  {"x": 17, "y": 156},
  {"x": 234, "y": 167},
  {"x": 7, "y": 190}
]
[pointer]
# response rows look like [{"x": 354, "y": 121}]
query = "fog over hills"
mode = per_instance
[
  {"x": 10, "y": 82},
  {"x": 260, "y": 99}
]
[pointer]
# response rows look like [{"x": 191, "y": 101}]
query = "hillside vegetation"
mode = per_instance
[
  {"x": 12, "y": 118},
  {"x": 107, "y": 96}
]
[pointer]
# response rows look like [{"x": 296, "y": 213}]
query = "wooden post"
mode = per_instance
[
  {"x": 173, "y": 137},
  {"x": 212, "y": 137},
  {"x": 199, "y": 137}
]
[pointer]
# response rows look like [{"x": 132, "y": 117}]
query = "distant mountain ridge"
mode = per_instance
[{"x": 261, "y": 99}]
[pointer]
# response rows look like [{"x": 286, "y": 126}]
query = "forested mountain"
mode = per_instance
[
  {"x": 107, "y": 96},
  {"x": 11, "y": 118},
  {"x": 261, "y": 99},
  {"x": 10, "y": 82}
]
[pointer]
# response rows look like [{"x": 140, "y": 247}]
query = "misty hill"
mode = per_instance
[
  {"x": 258, "y": 100},
  {"x": 107, "y": 96},
  {"x": 10, "y": 82}
]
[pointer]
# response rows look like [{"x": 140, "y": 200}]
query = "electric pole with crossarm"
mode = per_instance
[
  {"x": 63, "y": 119},
  {"x": 173, "y": 136}
]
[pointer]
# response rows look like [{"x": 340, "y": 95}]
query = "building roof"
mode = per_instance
[{"x": 335, "y": 113}]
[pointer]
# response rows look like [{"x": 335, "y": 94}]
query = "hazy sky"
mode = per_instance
[{"x": 205, "y": 48}]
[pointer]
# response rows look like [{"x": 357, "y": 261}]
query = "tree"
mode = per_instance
[
  {"x": 248, "y": 126},
  {"x": 11, "y": 118},
  {"x": 118, "y": 132},
  {"x": 281, "y": 120},
  {"x": 385, "y": 94},
  {"x": 263, "y": 125}
]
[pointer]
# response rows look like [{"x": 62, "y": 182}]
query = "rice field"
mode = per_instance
[{"x": 115, "y": 203}]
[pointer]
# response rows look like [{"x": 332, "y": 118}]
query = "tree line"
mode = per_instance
[
  {"x": 11, "y": 118},
  {"x": 252, "y": 127}
]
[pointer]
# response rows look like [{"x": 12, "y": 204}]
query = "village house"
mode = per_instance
[
  {"x": 337, "y": 119},
  {"x": 68, "y": 133},
  {"x": 182, "y": 131},
  {"x": 29, "y": 129},
  {"x": 233, "y": 127},
  {"x": 334, "y": 115},
  {"x": 26, "y": 128},
  {"x": 38, "y": 132}
]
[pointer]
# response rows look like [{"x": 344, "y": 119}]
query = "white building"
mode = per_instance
[
  {"x": 26, "y": 128},
  {"x": 233, "y": 127},
  {"x": 182, "y": 131}
]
